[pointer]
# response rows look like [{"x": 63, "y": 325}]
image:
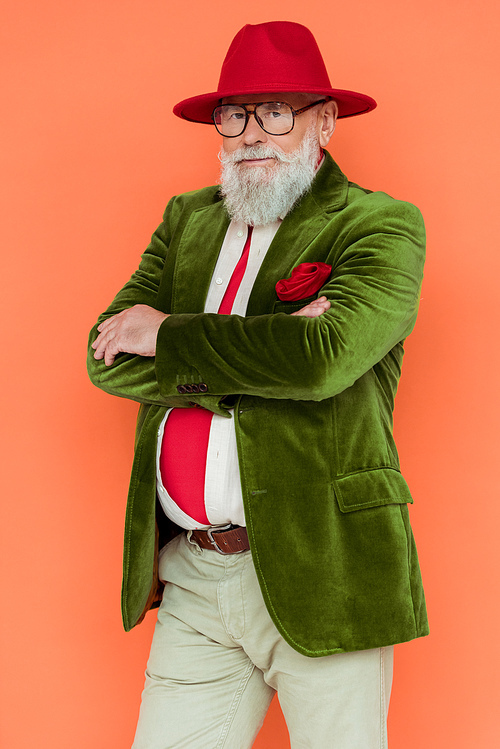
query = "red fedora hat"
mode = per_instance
[{"x": 273, "y": 57}]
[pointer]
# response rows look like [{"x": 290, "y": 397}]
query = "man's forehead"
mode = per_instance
[{"x": 295, "y": 98}]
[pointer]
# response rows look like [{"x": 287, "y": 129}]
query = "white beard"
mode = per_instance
[{"x": 260, "y": 195}]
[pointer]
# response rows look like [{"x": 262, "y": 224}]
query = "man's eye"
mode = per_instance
[
  {"x": 236, "y": 116},
  {"x": 273, "y": 115}
]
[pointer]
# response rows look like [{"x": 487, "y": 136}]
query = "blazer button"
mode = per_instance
[
  {"x": 195, "y": 388},
  {"x": 203, "y": 387},
  {"x": 181, "y": 389},
  {"x": 188, "y": 389}
]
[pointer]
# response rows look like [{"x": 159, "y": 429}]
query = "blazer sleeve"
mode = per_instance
[
  {"x": 374, "y": 292},
  {"x": 131, "y": 376}
]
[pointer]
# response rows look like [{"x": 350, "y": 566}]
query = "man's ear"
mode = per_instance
[{"x": 327, "y": 120}]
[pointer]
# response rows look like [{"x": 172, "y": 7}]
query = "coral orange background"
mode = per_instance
[{"x": 90, "y": 155}]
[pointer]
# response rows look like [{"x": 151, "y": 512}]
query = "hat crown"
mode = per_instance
[{"x": 273, "y": 56}]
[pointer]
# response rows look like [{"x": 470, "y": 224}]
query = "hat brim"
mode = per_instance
[{"x": 200, "y": 108}]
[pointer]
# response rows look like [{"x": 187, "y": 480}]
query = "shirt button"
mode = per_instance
[
  {"x": 240, "y": 233},
  {"x": 218, "y": 281}
]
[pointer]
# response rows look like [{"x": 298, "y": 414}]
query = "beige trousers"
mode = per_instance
[{"x": 217, "y": 660}]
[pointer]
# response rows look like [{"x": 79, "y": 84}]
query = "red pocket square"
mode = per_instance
[{"x": 306, "y": 280}]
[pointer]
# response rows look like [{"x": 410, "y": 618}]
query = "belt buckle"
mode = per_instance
[{"x": 214, "y": 543}]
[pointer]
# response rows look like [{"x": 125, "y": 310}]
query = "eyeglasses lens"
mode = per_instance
[{"x": 275, "y": 117}]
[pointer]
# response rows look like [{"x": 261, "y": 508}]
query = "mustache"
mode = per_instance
[{"x": 254, "y": 152}]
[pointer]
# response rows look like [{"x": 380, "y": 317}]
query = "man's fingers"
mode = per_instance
[
  {"x": 99, "y": 345},
  {"x": 132, "y": 331},
  {"x": 97, "y": 341},
  {"x": 314, "y": 308},
  {"x": 102, "y": 343},
  {"x": 107, "y": 349},
  {"x": 108, "y": 330},
  {"x": 110, "y": 322},
  {"x": 109, "y": 357}
]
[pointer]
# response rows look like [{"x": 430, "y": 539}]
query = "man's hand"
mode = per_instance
[
  {"x": 314, "y": 308},
  {"x": 132, "y": 331}
]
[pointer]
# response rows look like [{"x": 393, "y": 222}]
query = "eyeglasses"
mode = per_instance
[{"x": 274, "y": 117}]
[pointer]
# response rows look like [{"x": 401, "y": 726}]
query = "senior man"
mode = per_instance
[{"x": 263, "y": 336}]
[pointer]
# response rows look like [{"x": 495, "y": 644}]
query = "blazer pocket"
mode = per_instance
[
  {"x": 289, "y": 307},
  {"x": 371, "y": 488}
]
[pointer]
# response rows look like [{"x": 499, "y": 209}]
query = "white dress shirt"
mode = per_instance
[{"x": 223, "y": 497}]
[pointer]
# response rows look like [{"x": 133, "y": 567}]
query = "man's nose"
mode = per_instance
[{"x": 253, "y": 132}]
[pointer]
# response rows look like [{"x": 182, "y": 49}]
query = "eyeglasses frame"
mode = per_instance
[{"x": 256, "y": 104}]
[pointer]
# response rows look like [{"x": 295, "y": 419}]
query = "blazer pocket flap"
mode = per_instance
[
  {"x": 372, "y": 488},
  {"x": 293, "y": 306}
]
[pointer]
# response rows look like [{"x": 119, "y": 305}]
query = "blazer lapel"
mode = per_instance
[{"x": 197, "y": 256}]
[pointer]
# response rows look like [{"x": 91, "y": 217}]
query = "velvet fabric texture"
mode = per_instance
[{"x": 325, "y": 502}]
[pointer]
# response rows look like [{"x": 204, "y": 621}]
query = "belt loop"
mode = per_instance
[{"x": 193, "y": 542}]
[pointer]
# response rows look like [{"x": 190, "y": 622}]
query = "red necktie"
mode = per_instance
[
  {"x": 183, "y": 457},
  {"x": 234, "y": 283}
]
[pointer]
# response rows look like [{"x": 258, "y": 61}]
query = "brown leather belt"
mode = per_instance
[{"x": 228, "y": 539}]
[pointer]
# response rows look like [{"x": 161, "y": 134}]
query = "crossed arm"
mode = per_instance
[
  {"x": 370, "y": 304},
  {"x": 134, "y": 331}
]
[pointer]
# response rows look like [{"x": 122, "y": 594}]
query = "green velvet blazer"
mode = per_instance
[{"x": 325, "y": 503}]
